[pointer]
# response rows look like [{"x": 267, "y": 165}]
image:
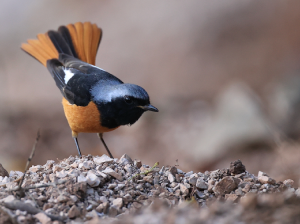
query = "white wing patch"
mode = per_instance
[{"x": 68, "y": 75}]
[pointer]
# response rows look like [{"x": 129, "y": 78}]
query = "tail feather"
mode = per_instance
[
  {"x": 79, "y": 31},
  {"x": 80, "y": 40},
  {"x": 59, "y": 42},
  {"x": 64, "y": 32}
]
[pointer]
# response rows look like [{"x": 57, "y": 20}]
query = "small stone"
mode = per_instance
[
  {"x": 162, "y": 170},
  {"x": 237, "y": 167},
  {"x": 35, "y": 169},
  {"x": 120, "y": 186},
  {"x": 118, "y": 203},
  {"x": 3, "y": 172},
  {"x": 125, "y": 159},
  {"x": 113, "y": 211},
  {"x": 200, "y": 184},
  {"x": 92, "y": 179},
  {"x": 266, "y": 180},
  {"x": 193, "y": 179},
  {"x": 99, "y": 173},
  {"x": 112, "y": 186},
  {"x": 200, "y": 194},
  {"x": 49, "y": 164},
  {"x": 105, "y": 206},
  {"x": 138, "y": 163},
  {"x": 288, "y": 183},
  {"x": 226, "y": 185},
  {"x": 84, "y": 165},
  {"x": 239, "y": 192},
  {"x": 89, "y": 208},
  {"x": 189, "y": 173},
  {"x": 90, "y": 191},
  {"x": 81, "y": 178},
  {"x": 137, "y": 205},
  {"x": 74, "y": 165},
  {"x": 211, "y": 184},
  {"x": 103, "y": 159},
  {"x": 8, "y": 199},
  {"x": 56, "y": 168},
  {"x": 231, "y": 197},
  {"x": 260, "y": 174},
  {"x": 171, "y": 178},
  {"x": 113, "y": 173},
  {"x": 74, "y": 198},
  {"x": 128, "y": 168},
  {"x": 148, "y": 179},
  {"x": 62, "y": 198},
  {"x": 73, "y": 212},
  {"x": 43, "y": 218},
  {"x": 178, "y": 177},
  {"x": 183, "y": 189},
  {"x": 61, "y": 174},
  {"x": 173, "y": 171},
  {"x": 92, "y": 216},
  {"x": 103, "y": 199}
]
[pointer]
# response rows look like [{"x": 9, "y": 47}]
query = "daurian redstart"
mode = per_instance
[{"x": 94, "y": 100}]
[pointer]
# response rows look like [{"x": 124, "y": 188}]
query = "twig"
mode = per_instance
[
  {"x": 30, "y": 158},
  {"x": 145, "y": 173},
  {"x": 20, "y": 205}
]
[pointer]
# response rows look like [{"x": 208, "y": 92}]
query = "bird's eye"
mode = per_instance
[{"x": 128, "y": 99}]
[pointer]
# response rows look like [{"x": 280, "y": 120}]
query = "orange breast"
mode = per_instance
[{"x": 84, "y": 119}]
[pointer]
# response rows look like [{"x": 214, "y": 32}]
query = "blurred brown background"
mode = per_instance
[{"x": 224, "y": 74}]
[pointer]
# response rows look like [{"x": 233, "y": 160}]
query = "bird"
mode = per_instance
[{"x": 94, "y": 101}]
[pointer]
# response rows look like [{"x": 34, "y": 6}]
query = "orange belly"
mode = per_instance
[{"x": 84, "y": 119}]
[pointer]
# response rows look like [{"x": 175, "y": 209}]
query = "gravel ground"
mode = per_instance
[{"x": 95, "y": 189}]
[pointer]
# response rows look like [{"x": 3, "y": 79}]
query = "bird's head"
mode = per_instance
[{"x": 122, "y": 104}]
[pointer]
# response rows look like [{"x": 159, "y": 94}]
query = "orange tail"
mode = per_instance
[{"x": 80, "y": 40}]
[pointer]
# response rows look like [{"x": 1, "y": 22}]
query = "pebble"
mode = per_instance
[
  {"x": 289, "y": 183},
  {"x": 193, "y": 179},
  {"x": 171, "y": 177},
  {"x": 92, "y": 179},
  {"x": 84, "y": 165},
  {"x": 103, "y": 159},
  {"x": 111, "y": 172},
  {"x": 183, "y": 189},
  {"x": 266, "y": 180},
  {"x": 118, "y": 202},
  {"x": 61, "y": 174},
  {"x": 125, "y": 159},
  {"x": 138, "y": 163},
  {"x": 81, "y": 178},
  {"x": 73, "y": 212},
  {"x": 226, "y": 185},
  {"x": 35, "y": 169},
  {"x": 200, "y": 184},
  {"x": 43, "y": 218}
]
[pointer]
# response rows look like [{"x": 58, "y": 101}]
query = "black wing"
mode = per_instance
[
  {"x": 72, "y": 62},
  {"x": 75, "y": 78},
  {"x": 70, "y": 83}
]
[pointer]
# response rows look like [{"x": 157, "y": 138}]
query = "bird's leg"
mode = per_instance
[
  {"x": 74, "y": 134},
  {"x": 100, "y": 135},
  {"x": 78, "y": 149}
]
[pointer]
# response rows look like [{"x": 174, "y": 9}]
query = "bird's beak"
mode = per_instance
[{"x": 149, "y": 107}]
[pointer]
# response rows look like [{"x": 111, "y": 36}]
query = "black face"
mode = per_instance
[
  {"x": 123, "y": 105},
  {"x": 129, "y": 110}
]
